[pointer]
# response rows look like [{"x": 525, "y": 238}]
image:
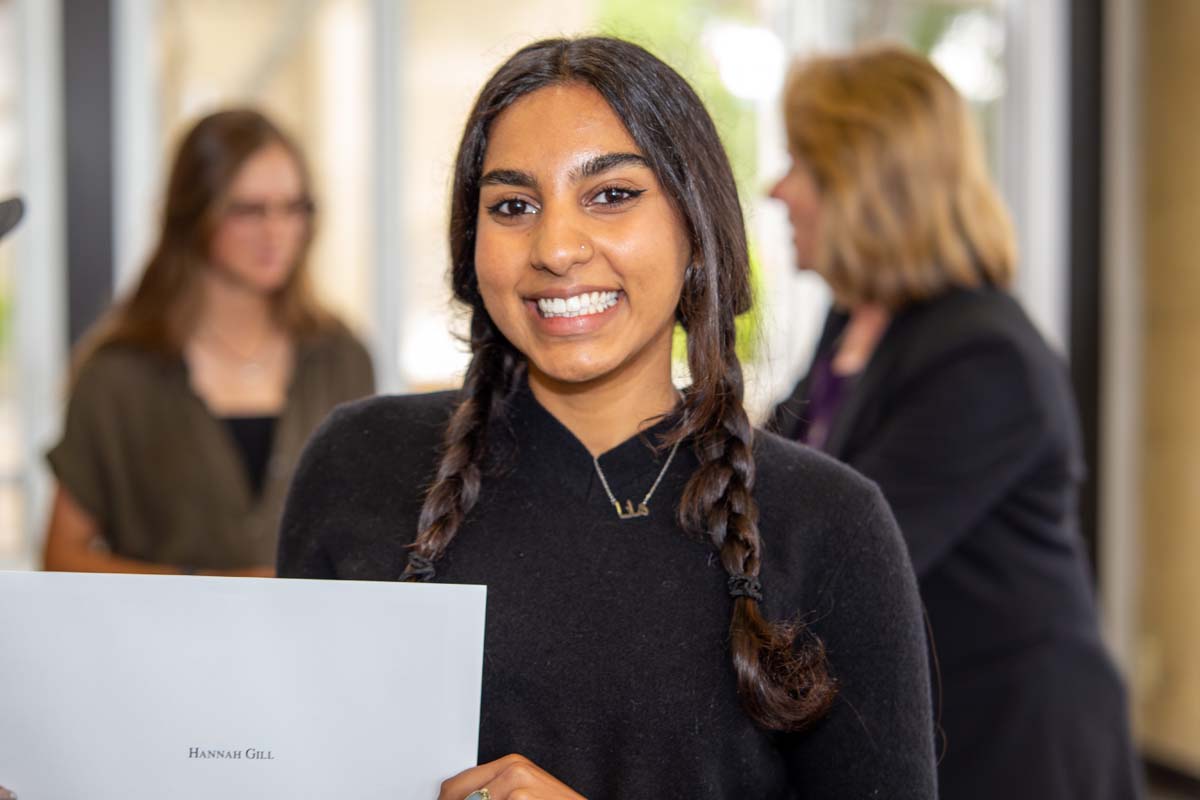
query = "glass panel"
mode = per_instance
[{"x": 12, "y": 471}]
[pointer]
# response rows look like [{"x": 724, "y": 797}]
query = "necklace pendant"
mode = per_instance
[{"x": 629, "y": 513}]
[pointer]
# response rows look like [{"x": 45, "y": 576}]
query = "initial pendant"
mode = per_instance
[{"x": 629, "y": 513}]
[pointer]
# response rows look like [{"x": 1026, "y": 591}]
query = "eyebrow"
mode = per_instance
[
  {"x": 588, "y": 169},
  {"x": 509, "y": 177},
  {"x": 600, "y": 164}
]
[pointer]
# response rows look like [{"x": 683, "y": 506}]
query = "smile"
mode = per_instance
[{"x": 580, "y": 305}]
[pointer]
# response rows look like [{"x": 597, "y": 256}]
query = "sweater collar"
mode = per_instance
[{"x": 546, "y": 448}]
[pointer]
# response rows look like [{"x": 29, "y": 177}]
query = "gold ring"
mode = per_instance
[{"x": 479, "y": 794}]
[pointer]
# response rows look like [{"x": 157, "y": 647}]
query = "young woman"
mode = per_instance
[
  {"x": 678, "y": 606},
  {"x": 193, "y": 397},
  {"x": 930, "y": 380}
]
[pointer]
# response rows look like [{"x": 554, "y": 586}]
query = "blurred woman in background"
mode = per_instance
[
  {"x": 930, "y": 380},
  {"x": 192, "y": 398}
]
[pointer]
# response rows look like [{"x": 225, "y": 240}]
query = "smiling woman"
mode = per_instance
[{"x": 730, "y": 636}]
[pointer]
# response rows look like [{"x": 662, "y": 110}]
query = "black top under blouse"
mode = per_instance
[
  {"x": 606, "y": 655},
  {"x": 253, "y": 436}
]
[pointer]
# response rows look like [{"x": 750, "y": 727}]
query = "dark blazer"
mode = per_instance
[{"x": 965, "y": 419}]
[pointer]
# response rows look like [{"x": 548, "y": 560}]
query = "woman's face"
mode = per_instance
[
  {"x": 798, "y": 191},
  {"x": 264, "y": 221},
  {"x": 579, "y": 253}
]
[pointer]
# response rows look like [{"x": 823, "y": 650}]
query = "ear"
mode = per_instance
[{"x": 693, "y": 289}]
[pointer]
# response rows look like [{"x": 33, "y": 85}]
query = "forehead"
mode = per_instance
[
  {"x": 555, "y": 128},
  {"x": 268, "y": 171}
]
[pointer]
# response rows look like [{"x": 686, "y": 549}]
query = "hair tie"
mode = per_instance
[
  {"x": 419, "y": 567},
  {"x": 745, "y": 586}
]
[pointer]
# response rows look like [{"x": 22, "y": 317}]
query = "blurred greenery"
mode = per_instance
[
  {"x": 930, "y": 22},
  {"x": 673, "y": 30}
]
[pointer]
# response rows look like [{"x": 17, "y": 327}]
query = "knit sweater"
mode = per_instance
[{"x": 606, "y": 656}]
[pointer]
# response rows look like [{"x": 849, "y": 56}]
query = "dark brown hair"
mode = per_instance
[
  {"x": 783, "y": 686},
  {"x": 158, "y": 314}
]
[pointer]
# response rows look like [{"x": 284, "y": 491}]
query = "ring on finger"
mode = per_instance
[{"x": 479, "y": 794}]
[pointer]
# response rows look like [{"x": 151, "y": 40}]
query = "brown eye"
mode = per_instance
[
  {"x": 616, "y": 195},
  {"x": 512, "y": 207}
]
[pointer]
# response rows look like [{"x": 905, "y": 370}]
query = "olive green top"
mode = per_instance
[{"x": 163, "y": 477}]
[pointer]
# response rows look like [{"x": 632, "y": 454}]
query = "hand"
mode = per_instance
[{"x": 513, "y": 777}]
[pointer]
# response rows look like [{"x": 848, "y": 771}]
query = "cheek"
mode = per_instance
[
  {"x": 224, "y": 247},
  {"x": 497, "y": 287},
  {"x": 295, "y": 233}
]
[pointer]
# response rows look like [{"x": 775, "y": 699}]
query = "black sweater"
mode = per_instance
[{"x": 606, "y": 658}]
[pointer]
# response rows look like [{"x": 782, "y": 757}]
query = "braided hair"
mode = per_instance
[{"x": 783, "y": 681}]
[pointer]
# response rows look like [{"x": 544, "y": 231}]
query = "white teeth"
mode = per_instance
[{"x": 578, "y": 305}]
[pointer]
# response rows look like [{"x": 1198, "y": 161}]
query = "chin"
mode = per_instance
[
  {"x": 571, "y": 373},
  {"x": 269, "y": 279}
]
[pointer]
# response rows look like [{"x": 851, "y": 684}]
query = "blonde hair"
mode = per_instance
[{"x": 907, "y": 208}]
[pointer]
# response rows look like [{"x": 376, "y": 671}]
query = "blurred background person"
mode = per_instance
[
  {"x": 192, "y": 397},
  {"x": 930, "y": 379}
]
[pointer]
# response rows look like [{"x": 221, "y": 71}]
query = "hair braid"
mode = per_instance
[
  {"x": 782, "y": 686},
  {"x": 490, "y": 376}
]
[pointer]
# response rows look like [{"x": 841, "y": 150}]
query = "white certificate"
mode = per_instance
[{"x": 139, "y": 687}]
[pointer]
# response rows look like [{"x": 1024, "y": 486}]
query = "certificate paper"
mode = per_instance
[{"x": 153, "y": 687}]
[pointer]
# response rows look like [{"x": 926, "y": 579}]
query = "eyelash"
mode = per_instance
[{"x": 628, "y": 195}]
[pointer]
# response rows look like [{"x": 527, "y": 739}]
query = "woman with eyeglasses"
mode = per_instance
[
  {"x": 678, "y": 605},
  {"x": 193, "y": 396}
]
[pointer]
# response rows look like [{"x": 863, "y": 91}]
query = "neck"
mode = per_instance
[
  {"x": 866, "y": 327},
  {"x": 608, "y": 411},
  {"x": 239, "y": 313}
]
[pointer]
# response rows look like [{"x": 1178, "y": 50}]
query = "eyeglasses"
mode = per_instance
[{"x": 250, "y": 212}]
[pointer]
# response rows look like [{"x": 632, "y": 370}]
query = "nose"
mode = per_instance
[
  {"x": 560, "y": 244},
  {"x": 776, "y": 191},
  {"x": 281, "y": 224}
]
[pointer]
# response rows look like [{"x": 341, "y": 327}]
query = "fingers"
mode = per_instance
[
  {"x": 513, "y": 777},
  {"x": 469, "y": 780}
]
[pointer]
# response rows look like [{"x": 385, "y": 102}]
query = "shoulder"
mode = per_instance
[
  {"x": 336, "y": 343},
  {"x": 965, "y": 319},
  {"x": 117, "y": 370},
  {"x": 377, "y": 429},
  {"x": 983, "y": 335},
  {"x": 816, "y": 511},
  {"x": 417, "y": 411},
  {"x": 791, "y": 473}
]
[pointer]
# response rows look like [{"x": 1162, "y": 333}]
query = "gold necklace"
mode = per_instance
[{"x": 643, "y": 509}]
